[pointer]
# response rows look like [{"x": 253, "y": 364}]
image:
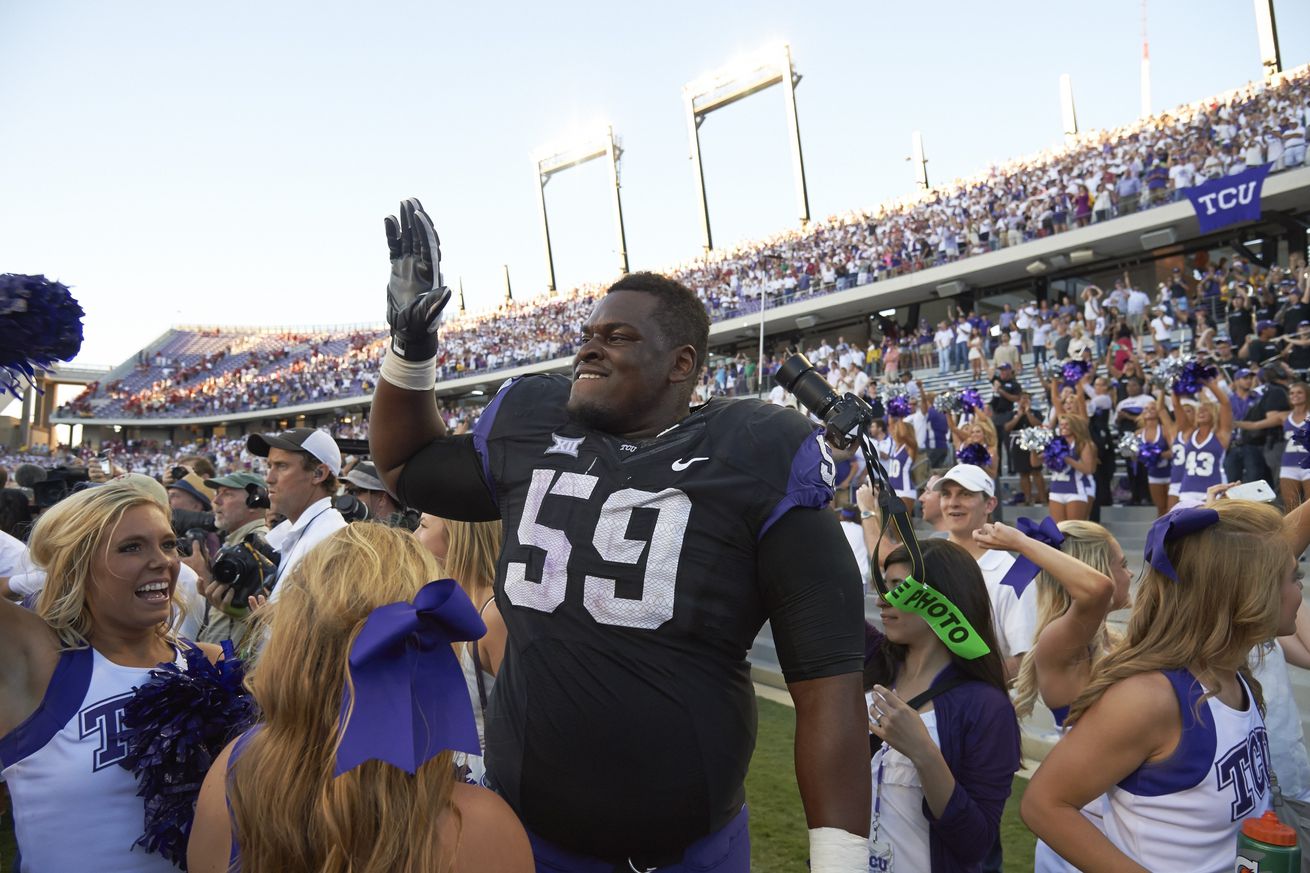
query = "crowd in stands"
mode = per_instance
[
  {"x": 1030, "y": 623},
  {"x": 1101, "y": 175}
]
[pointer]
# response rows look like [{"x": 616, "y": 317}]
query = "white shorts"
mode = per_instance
[
  {"x": 1296, "y": 474},
  {"x": 1067, "y": 498},
  {"x": 1175, "y": 488},
  {"x": 912, "y": 494},
  {"x": 1159, "y": 480},
  {"x": 1191, "y": 498}
]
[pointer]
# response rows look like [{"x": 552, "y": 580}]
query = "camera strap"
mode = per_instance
[{"x": 894, "y": 513}]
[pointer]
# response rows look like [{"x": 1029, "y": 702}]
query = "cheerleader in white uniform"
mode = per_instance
[
  {"x": 1168, "y": 716},
  {"x": 100, "y": 625},
  {"x": 1078, "y": 584}
]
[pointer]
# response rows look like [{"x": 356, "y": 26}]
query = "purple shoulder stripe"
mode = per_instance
[
  {"x": 1191, "y": 758},
  {"x": 482, "y": 430},
  {"x": 810, "y": 482},
  {"x": 63, "y": 697}
]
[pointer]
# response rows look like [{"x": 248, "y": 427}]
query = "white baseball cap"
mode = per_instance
[
  {"x": 318, "y": 443},
  {"x": 969, "y": 476}
]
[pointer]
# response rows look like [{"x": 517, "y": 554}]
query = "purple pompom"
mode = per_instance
[
  {"x": 1073, "y": 371},
  {"x": 974, "y": 453},
  {"x": 900, "y": 406},
  {"x": 971, "y": 400},
  {"x": 176, "y": 724},
  {"x": 1149, "y": 453},
  {"x": 1057, "y": 454},
  {"x": 40, "y": 323},
  {"x": 1192, "y": 377}
]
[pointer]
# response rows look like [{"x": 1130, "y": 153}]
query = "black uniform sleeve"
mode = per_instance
[
  {"x": 811, "y": 588},
  {"x": 445, "y": 478}
]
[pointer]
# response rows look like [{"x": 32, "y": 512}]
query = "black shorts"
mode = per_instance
[{"x": 1023, "y": 461}]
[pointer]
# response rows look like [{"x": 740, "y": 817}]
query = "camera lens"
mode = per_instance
[{"x": 799, "y": 377}]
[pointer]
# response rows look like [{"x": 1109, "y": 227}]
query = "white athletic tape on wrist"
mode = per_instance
[
  {"x": 410, "y": 375},
  {"x": 833, "y": 850}
]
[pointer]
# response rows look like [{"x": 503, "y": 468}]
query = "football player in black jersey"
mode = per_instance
[{"x": 645, "y": 545}]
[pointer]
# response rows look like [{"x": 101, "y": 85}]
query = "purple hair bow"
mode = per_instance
[
  {"x": 1171, "y": 526},
  {"x": 1023, "y": 571},
  {"x": 411, "y": 701}
]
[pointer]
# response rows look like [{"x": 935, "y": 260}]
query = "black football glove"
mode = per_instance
[{"x": 415, "y": 293}]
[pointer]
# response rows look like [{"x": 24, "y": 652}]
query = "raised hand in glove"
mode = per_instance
[{"x": 415, "y": 293}]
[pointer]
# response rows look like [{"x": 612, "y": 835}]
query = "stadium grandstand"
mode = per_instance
[
  {"x": 1041, "y": 227},
  {"x": 1090, "y": 252}
]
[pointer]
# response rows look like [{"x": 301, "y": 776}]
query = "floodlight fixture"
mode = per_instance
[
  {"x": 549, "y": 160},
  {"x": 769, "y": 66}
]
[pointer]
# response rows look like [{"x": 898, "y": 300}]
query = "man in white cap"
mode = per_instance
[
  {"x": 967, "y": 498},
  {"x": 303, "y": 465}
]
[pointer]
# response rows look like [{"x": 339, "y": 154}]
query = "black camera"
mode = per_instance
[
  {"x": 249, "y": 566},
  {"x": 59, "y": 482},
  {"x": 257, "y": 496},
  {"x": 184, "y": 520},
  {"x": 843, "y": 417},
  {"x": 196, "y": 536},
  {"x": 352, "y": 509},
  {"x": 179, "y": 473}
]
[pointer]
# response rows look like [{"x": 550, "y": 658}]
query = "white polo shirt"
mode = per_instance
[
  {"x": 318, "y": 522},
  {"x": 1014, "y": 618}
]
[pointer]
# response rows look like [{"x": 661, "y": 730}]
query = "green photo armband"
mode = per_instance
[{"x": 944, "y": 617}]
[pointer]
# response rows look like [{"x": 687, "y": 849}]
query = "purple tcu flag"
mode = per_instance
[{"x": 1230, "y": 200}]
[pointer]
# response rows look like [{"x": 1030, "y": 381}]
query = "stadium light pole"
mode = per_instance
[
  {"x": 919, "y": 161},
  {"x": 762, "y": 69},
  {"x": 509, "y": 292},
  {"x": 1266, "y": 30},
  {"x": 1146, "y": 68},
  {"x": 1068, "y": 115},
  {"x": 549, "y": 160},
  {"x": 764, "y": 300}
]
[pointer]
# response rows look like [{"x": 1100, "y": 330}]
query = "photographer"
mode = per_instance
[
  {"x": 302, "y": 479},
  {"x": 190, "y": 493},
  {"x": 238, "y": 513},
  {"x": 363, "y": 484}
]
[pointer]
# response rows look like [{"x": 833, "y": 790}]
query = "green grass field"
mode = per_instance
[{"x": 778, "y": 838}]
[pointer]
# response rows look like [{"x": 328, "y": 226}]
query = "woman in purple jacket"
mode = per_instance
[{"x": 942, "y": 769}]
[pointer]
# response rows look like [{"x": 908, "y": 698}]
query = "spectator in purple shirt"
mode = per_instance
[{"x": 944, "y": 767}]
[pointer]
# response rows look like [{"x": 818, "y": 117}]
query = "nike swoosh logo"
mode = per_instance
[{"x": 680, "y": 465}]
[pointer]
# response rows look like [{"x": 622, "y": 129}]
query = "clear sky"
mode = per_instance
[{"x": 231, "y": 163}]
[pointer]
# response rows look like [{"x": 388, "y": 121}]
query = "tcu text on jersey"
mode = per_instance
[
  {"x": 105, "y": 717},
  {"x": 1245, "y": 767}
]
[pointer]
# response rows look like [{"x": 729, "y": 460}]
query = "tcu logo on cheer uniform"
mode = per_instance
[
  {"x": 106, "y": 719},
  {"x": 1245, "y": 767}
]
